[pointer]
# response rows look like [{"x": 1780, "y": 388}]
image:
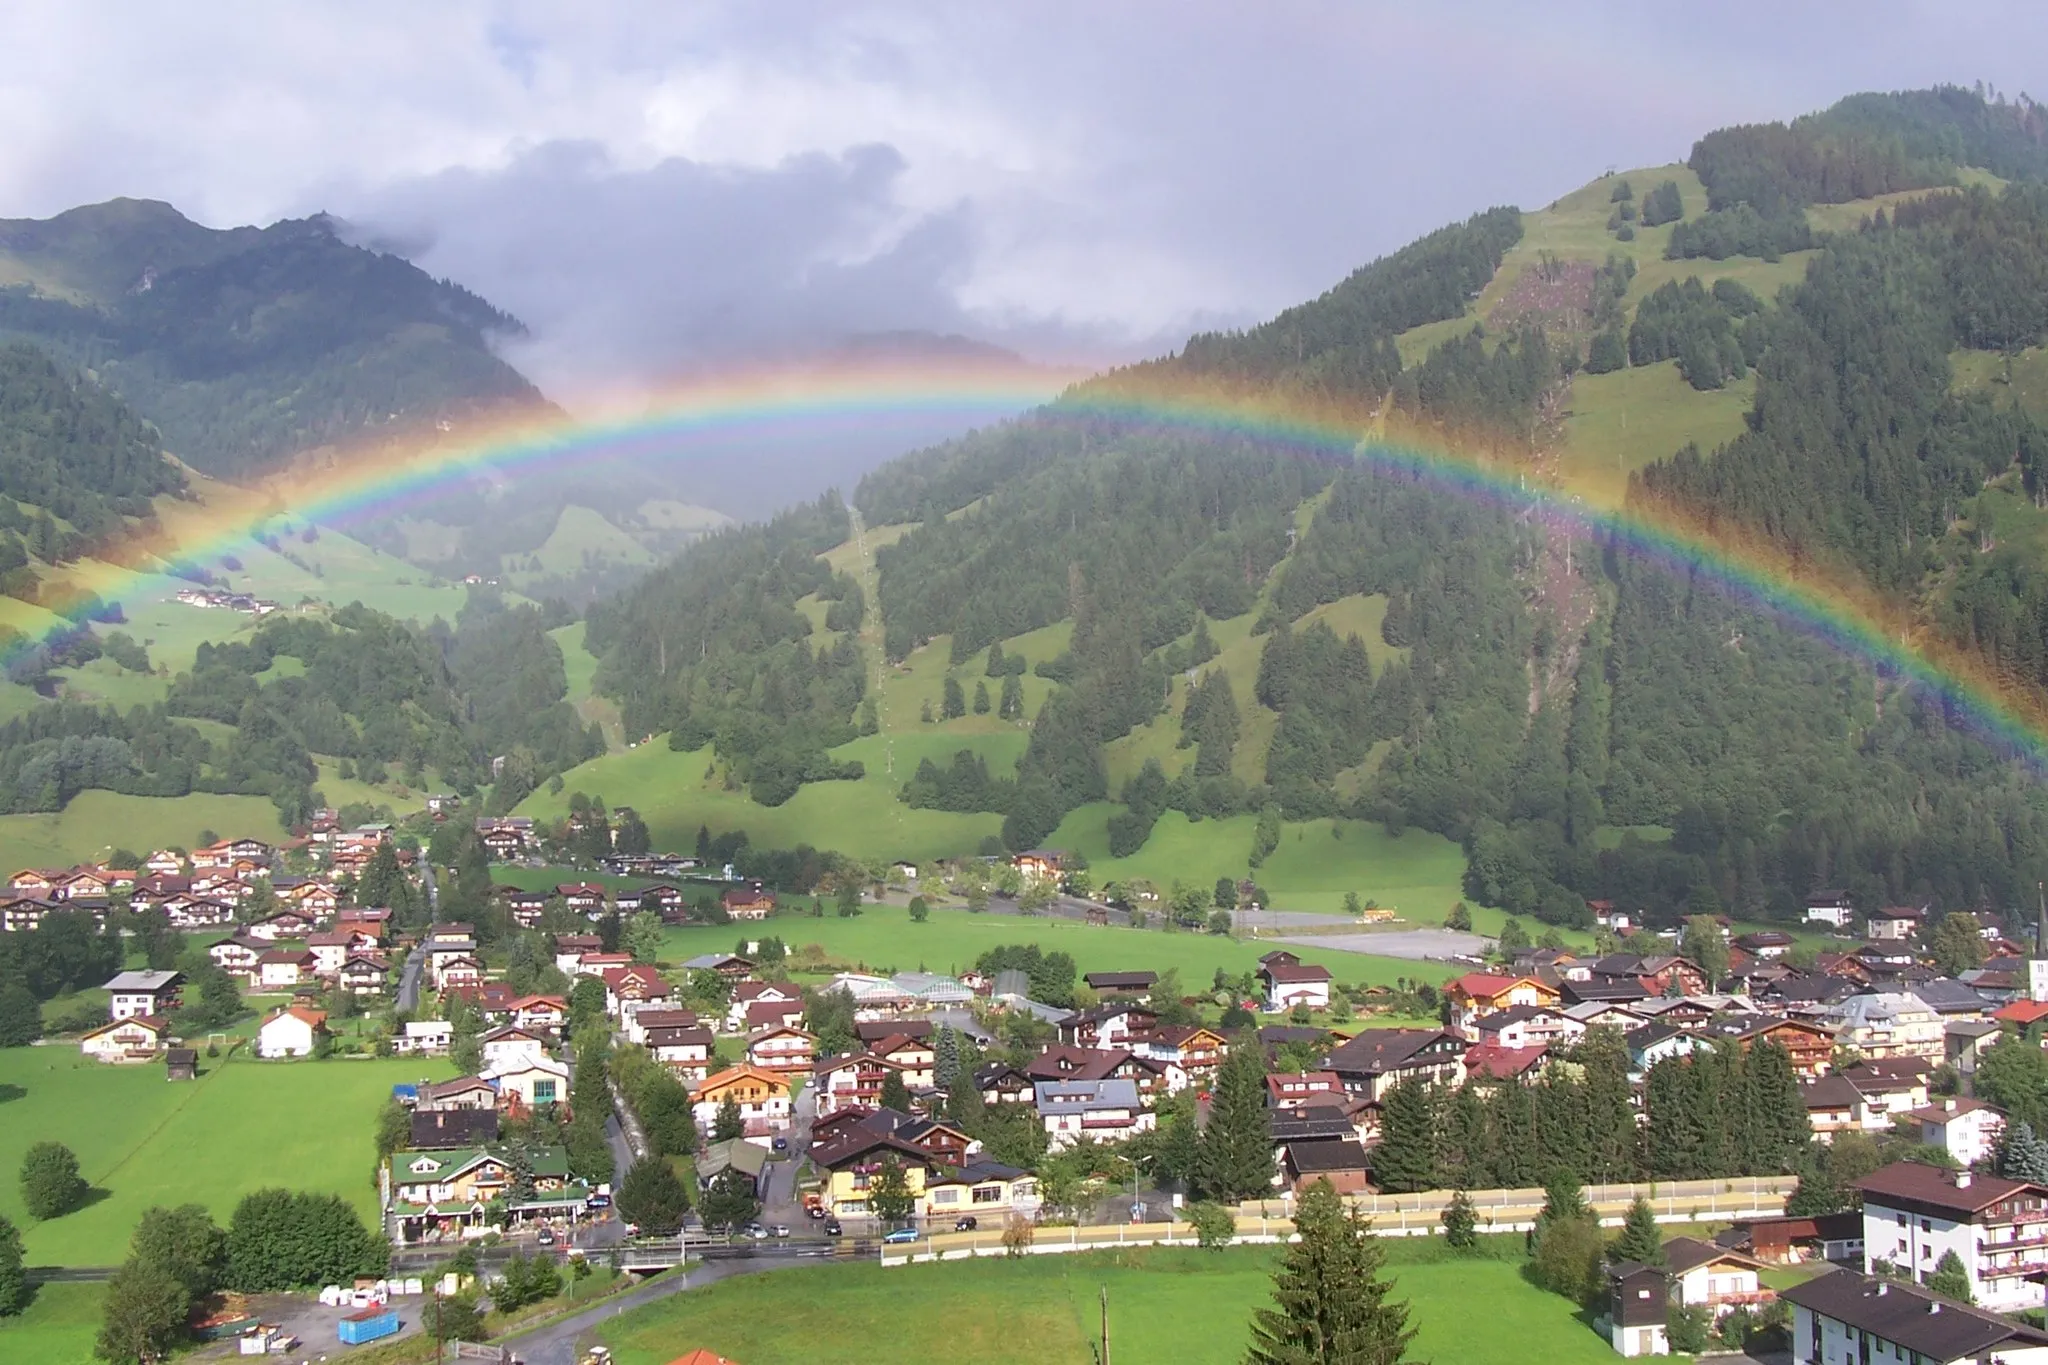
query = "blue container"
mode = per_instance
[{"x": 369, "y": 1324}]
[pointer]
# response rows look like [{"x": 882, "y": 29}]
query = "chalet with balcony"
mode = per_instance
[{"x": 1914, "y": 1214}]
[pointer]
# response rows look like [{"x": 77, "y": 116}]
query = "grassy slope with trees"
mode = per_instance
[{"x": 1537, "y": 704}]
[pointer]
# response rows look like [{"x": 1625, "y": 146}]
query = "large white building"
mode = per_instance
[
  {"x": 1843, "y": 1318},
  {"x": 1913, "y": 1214}
]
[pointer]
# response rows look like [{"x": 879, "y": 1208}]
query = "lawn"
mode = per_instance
[
  {"x": 95, "y": 820},
  {"x": 1417, "y": 874},
  {"x": 1164, "y": 1305},
  {"x": 142, "y": 1140},
  {"x": 882, "y": 937},
  {"x": 58, "y": 1328}
]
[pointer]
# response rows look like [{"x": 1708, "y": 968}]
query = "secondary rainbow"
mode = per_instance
[{"x": 372, "y": 481}]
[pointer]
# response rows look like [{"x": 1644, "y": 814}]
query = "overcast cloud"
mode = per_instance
[{"x": 660, "y": 186}]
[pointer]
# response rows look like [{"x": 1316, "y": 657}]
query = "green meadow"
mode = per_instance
[
  {"x": 883, "y": 938},
  {"x": 96, "y": 820},
  {"x": 142, "y": 1140},
  {"x": 1172, "y": 1306},
  {"x": 58, "y": 1328}
]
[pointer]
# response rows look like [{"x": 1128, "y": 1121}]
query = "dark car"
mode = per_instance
[
  {"x": 781, "y": 1144},
  {"x": 832, "y": 1228},
  {"x": 967, "y": 1224}
]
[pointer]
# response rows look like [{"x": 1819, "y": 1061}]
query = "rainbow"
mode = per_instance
[{"x": 387, "y": 477}]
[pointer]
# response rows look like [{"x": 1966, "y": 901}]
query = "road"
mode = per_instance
[
  {"x": 409, "y": 979},
  {"x": 1420, "y": 945}
]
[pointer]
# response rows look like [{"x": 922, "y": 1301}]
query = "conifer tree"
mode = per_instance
[
  {"x": 1331, "y": 1304},
  {"x": 2023, "y": 1155},
  {"x": 1407, "y": 1157},
  {"x": 1783, "y": 1128},
  {"x": 1639, "y": 1241},
  {"x": 895, "y": 1094},
  {"x": 729, "y": 1123},
  {"x": 1511, "y": 1137},
  {"x": 1461, "y": 1223},
  {"x": 1235, "y": 1160}
]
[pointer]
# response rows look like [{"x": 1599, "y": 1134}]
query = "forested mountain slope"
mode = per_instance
[
  {"x": 247, "y": 345},
  {"x": 1771, "y": 333}
]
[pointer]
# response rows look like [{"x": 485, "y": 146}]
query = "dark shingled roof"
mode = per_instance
[
  {"x": 1932, "y": 1185},
  {"x": 1938, "y": 1328},
  {"x": 1328, "y": 1154}
]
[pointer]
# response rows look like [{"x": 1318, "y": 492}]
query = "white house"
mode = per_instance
[
  {"x": 1967, "y": 1129},
  {"x": 137, "y": 1038},
  {"x": 433, "y": 1037},
  {"x": 1887, "y": 1024},
  {"x": 1100, "y": 1111},
  {"x": 134, "y": 994},
  {"x": 1290, "y": 982},
  {"x": 1707, "y": 1276},
  {"x": 511, "y": 1047},
  {"x": 533, "y": 1081},
  {"x": 1914, "y": 1214},
  {"x": 1847, "y": 1319},
  {"x": 1831, "y": 908},
  {"x": 291, "y": 1033}
]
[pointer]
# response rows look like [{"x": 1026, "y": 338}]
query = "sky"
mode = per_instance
[{"x": 659, "y": 187}]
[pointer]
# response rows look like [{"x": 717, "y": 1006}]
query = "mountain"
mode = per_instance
[
  {"x": 1194, "y": 656},
  {"x": 248, "y": 345}
]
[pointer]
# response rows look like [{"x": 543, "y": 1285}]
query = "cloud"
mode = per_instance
[
  {"x": 652, "y": 184},
  {"x": 681, "y": 265}
]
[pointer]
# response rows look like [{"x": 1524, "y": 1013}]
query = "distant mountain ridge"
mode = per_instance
[{"x": 247, "y": 345}]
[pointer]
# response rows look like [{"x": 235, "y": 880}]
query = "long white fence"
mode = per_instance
[{"x": 1393, "y": 1215}]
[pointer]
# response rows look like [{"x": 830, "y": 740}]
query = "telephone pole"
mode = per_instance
[{"x": 1105, "y": 1325}]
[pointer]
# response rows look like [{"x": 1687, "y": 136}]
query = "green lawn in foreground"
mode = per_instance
[
  {"x": 1164, "y": 1305},
  {"x": 883, "y": 937},
  {"x": 58, "y": 1328},
  {"x": 96, "y": 820},
  {"x": 143, "y": 1140}
]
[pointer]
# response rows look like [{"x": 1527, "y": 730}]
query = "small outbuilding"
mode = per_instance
[{"x": 181, "y": 1064}]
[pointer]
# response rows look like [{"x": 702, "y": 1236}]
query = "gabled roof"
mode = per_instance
[
  {"x": 1682, "y": 1254},
  {"x": 1290, "y": 973},
  {"x": 144, "y": 982},
  {"x": 1939, "y": 1329},
  {"x": 1327, "y": 1154},
  {"x": 1377, "y": 1051},
  {"x": 1960, "y": 1191}
]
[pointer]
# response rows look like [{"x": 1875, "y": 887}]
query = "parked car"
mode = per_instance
[
  {"x": 598, "y": 1201},
  {"x": 814, "y": 1210},
  {"x": 754, "y": 1232},
  {"x": 546, "y": 1238},
  {"x": 901, "y": 1235},
  {"x": 780, "y": 1230},
  {"x": 967, "y": 1224},
  {"x": 832, "y": 1228},
  {"x": 781, "y": 1144}
]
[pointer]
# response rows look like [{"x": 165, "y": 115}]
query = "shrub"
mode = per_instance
[
  {"x": 50, "y": 1183},
  {"x": 1213, "y": 1224}
]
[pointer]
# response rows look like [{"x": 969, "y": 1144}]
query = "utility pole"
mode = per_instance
[
  {"x": 2041, "y": 925},
  {"x": 1105, "y": 1325}
]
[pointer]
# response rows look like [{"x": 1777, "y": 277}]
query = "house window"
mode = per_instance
[
  {"x": 945, "y": 1196},
  {"x": 988, "y": 1194},
  {"x": 543, "y": 1092}
]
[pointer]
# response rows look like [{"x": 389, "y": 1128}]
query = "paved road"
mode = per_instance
[
  {"x": 409, "y": 979},
  {"x": 1421, "y": 945}
]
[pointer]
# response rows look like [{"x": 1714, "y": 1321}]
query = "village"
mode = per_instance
[{"x": 916, "y": 1115}]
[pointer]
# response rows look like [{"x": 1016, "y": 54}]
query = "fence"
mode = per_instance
[{"x": 1393, "y": 1215}]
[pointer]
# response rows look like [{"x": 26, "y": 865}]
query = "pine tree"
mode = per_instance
[
  {"x": 895, "y": 1094},
  {"x": 1511, "y": 1137},
  {"x": 964, "y": 1103},
  {"x": 1639, "y": 1241},
  {"x": 955, "y": 700},
  {"x": 981, "y": 703},
  {"x": 1235, "y": 1160},
  {"x": 1611, "y": 1131},
  {"x": 2023, "y": 1155},
  {"x": 651, "y": 1196},
  {"x": 1783, "y": 1129},
  {"x": 1330, "y": 1303},
  {"x": 1461, "y": 1223},
  {"x": 1562, "y": 1199},
  {"x": 1407, "y": 1158},
  {"x": 1467, "y": 1160}
]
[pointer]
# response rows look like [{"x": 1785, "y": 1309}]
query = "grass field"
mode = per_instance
[
  {"x": 580, "y": 667},
  {"x": 1985, "y": 371},
  {"x": 884, "y": 938},
  {"x": 1417, "y": 874},
  {"x": 97, "y": 819},
  {"x": 58, "y": 1328},
  {"x": 142, "y": 1140},
  {"x": 1165, "y": 1305},
  {"x": 1624, "y": 420}
]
